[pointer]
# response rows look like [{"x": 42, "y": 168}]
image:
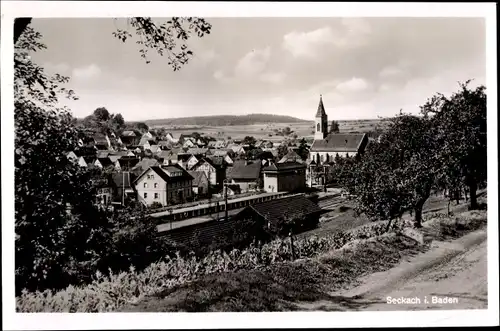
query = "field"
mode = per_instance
[{"x": 266, "y": 130}]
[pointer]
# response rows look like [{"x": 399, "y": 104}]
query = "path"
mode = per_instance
[{"x": 450, "y": 271}]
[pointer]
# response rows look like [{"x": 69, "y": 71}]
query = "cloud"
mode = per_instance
[
  {"x": 390, "y": 71},
  {"x": 306, "y": 44},
  {"x": 254, "y": 62},
  {"x": 350, "y": 34},
  {"x": 87, "y": 72},
  {"x": 352, "y": 85},
  {"x": 273, "y": 77}
]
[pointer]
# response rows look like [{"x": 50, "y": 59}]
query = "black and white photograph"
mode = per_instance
[{"x": 223, "y": 157}]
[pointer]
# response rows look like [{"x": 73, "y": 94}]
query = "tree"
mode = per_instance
[
  {"x": 249, "y": 140},
  {"x": 459, "y": 127},
  {"x": 396, "y": 174},
  {"x": 282, "y": 151},
  {"x": 118, "y": 119},
  {"x": 61, "y": 237},
  {"x": 101, "y": 114},
  {"x": 141, "y": 126},
  {"x": 335, "y": 128},
  {"x": 303, "y": 151},
  {"x": 287, "y": 131},
  {"x": 169, "y": 38}
]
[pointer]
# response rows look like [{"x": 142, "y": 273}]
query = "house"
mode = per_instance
[
  {"x": 165, "y": 185},
  {"x": 154, "y": 149},
  {"x": 247, "y": 175},
  {"x": 147, "y": 135},
  {"x": 129, "y": 137},
  {"x": 167, "y": 157},
  {"x": 198, "y": 151},
  {"x": 232, "y": 190},
  {"x": 188, "y": 144},
  {"x": 220, "y": 144},
  {"x": 291, "y": 156},
  {"x": 126, "y": 163},
  {"x": 182, "y": 159},
  {"x": 144, "y": 164},
  {"x": 171, "y": 138},
  {"x": 193, "y": 159},
  {"x": 297, "y": 208},
  {"x": 146, "y": 143},
  {"x": 165, "y": 144},
  {"x": 214, "y": 168},
  {"x": 200, "y": 142},
  {"x": 237, "y": 149},
  {"x": 200, "y": 183},
  {"x": 285, "y": 177},
  {"x": 123, "y": 189},
  {"x": 104, "y": 194},
  {"x": 211, "y": 144},
  {"x": 82, "y": 162},
  {"x": 104, "y": 163},
  {"x": 102, "y": 142}
]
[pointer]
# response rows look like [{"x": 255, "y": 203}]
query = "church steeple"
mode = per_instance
[
  {"x": 321, "y": 121},
  {"x": 321, "y": 108}
]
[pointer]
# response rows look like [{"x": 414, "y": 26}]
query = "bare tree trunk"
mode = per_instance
[
  {"x": 418, "y": 215},
  {"x": 449, "y": 202},
  {"x": 388, "y": 226},
  {"x": 465, "y": 194},
  {"x": 473, "y": 196}
]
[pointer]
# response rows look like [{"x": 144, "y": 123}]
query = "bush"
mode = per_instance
[{"x": 109, "y": 293}]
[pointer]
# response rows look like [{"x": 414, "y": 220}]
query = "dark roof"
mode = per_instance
[
  {"x": 123, "y": 179},
  {"x": 288, "y": 208},
  {"x": 163, "y": 175},
  {"x": 128, "y": 161},
  {"x": 105, "y": 161},
  {"x": 215, "y": 161},
  {"x": 234, "y": 187},
  {"x": 198, "y": 176},
  {"x": 249, "y": 171},
  {"x": 284, "y": 166},
  {"x": 183, "y": 156},
  {"x": 164, "y": 143},
  {"x": 339, "y": 142},
  {"x": 321, "y": 109}
]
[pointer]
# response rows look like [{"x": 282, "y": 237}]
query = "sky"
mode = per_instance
[{"x": 364, "y": 68}]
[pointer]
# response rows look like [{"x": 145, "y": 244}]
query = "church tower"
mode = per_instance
[{"x": 321, "y": 122}]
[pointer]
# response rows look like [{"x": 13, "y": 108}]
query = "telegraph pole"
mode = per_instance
[{"x": 225, "y": 199}]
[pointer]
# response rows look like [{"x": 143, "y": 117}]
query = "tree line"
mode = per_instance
[{"x": 443, "y": 149}]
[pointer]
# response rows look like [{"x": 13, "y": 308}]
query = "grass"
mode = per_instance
[{"x": 279, "y": 287}]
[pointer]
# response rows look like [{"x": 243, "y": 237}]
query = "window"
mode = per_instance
[
  {"x": 145, "y": 195},
  {"x": 157, "y": 196},
  {"x": 317, "y": 127},
  {"x": 145, "y": 185},
  {"x": 156, "y": 185}
]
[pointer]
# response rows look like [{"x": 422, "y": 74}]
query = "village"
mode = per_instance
[{"x": 188, "y": 176}]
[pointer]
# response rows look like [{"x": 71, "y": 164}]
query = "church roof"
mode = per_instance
[
  {"x": 338, "y": 142},
  {"x": 321, "y": 109}
]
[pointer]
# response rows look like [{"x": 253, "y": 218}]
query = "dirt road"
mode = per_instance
[{"x": 451, "y": 275}]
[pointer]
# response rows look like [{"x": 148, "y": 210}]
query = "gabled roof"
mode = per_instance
[
  {"x": 183, "y": 156},
  {"x": 162, "y": 172},
  {"x": 197, "y": 151},
  {"x": 286, "y": 208},
  {"x": 164, "y": 143},
  {"x": 321, "y": 109},
  {"x": 291, "y": 156},
  {"x": 250, "y": 171},
  {"x": 105, "y": 161},
  {"x": 197, "y": 177},
  {"x": 128, "y": 162},
  {"x": 284, "y": 166},
  {"x": 145, "y": 163},
  {"x": 128, "y": 133},
  {"x": 340, "y": 142}
]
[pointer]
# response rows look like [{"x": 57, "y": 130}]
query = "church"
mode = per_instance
[{"x": 326, "y": 146}]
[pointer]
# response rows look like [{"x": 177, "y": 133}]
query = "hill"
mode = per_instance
[{"x": 225, "y": 120}]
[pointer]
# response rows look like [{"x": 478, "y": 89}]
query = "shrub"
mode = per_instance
[{"x": 110, "y": 292}]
